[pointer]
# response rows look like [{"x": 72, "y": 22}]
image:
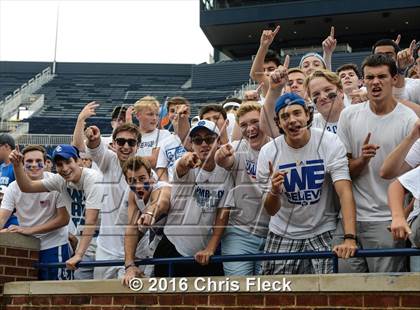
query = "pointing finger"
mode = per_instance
[
  {"x": 398, "y": 39},
  {"x": 286, "y": 62},
  {"x": 259, "y": 87},
  {"x": 276, "y": 30},
  {"x": 367, "y": 139},
  {"x": 412, "y": 46},
  {"x": 332, "y": 32},
  {"x": 270, "y": 167}
]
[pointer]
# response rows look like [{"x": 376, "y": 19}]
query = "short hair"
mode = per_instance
[
  {"x": 376, "y": 60},
  {"x": 295, "y": 70},
  {"x": 350, "y": 66},
  {"x": 118, "y": 111},
  {"x": 130, "y": 127},
  {"x": 177, "y": 100},
  {"x": 246, "y": 107},
  {"x": 331, "y": 77},
  {"x": 272, "y": 56},
  {"x": 213, "y": 107},
  {"x": 35, "y": 147},
  {"x": 146, "y": 102},
  {"x": 135, "y": 163},
  {"x": 386, "y": 42}
]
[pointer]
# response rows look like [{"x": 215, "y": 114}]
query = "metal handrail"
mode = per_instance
[{"x": 244, "y": 257}]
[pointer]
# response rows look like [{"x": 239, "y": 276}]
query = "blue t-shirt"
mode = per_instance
[{"x": 7, "y": 175}]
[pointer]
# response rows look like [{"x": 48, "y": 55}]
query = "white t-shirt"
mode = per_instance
[
  {"x": 114, "y": 215},
  {"x": 307, "y": 207},
  {"x": 33, "y": 209},
  {"x": 319, "y": 122},
  {"x": 85, "y": 194},
  {"x": 245, "y": 200},
  {"x": 194, "y": 201},
  {"x": 151, "y": 140},
  {"x": 387, "y": 131},
  {"x": 410, "y": 91},
  {"x": 170, "y": 151},
  {"x": 413, "y": 156},
  {"x": 411, "y": 182}
]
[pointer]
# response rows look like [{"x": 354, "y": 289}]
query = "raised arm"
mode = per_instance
[
  {"x": 395, "y": 164},
  {"x": 131, "y": 239},
  {"x": 257, "y": 70},
  {"x": 278, "y": 79},
  {"x": 78, "y": 134},
  {"x": 328, "y": 46}
]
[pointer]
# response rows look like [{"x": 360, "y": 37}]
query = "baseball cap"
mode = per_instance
[
  {"x": 118, "y": 112},
  {"x": 5, "y": 138},
  {"x": 288, "y": 99},
  {"x": 65, "y": 151},
  {"x": 209, "y": 125}
]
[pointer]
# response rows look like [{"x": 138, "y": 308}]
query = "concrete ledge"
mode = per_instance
[
  {"x": 395, "y": 282},
  {"x": 15, "y": 240}
]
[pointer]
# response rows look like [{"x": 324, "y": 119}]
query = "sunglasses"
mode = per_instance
[
  {"x": 122, "y": 142},
  {"x": 199, "y": 140}
]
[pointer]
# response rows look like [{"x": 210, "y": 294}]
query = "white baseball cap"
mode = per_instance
[{"x": 209, "y": 125}]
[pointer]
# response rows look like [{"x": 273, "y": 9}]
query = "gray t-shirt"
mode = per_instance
[
  {"x": 195, "y": 198},
  {"x": 387, "y": 131},
  {"x": 245, "y": 200},
  {"x": 307, "y": 207}
]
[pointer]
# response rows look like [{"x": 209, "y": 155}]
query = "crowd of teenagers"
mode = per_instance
[{"x": 311, "y": 160}]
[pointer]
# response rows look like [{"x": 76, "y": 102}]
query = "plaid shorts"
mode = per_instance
[{"x": 279, "y": 244}]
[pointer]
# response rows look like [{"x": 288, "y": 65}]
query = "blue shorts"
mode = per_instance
[
  {"x": 58, "y": 254},
  {"x": 12, "y": 221}
]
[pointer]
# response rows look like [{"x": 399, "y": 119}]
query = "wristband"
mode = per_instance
[
  {"x": 274, "y": 194},
  {"x": 350, "y": 236},
  {"x": 130, "y": 265}
]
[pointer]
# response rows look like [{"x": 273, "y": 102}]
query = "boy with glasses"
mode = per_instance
[{"x": 197, "y": 217}]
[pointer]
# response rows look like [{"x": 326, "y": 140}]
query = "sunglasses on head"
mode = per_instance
[
  {"x": 199, "y": 139},
  {"x": 122, "y": 142}
]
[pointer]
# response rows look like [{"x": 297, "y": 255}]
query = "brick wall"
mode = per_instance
[
  {"x": 279, "y": 301},
  {"x": 18, "y": 253}
]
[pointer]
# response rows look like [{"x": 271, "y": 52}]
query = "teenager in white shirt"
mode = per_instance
[
  {"x": 144, "y": 221},
  {"x": 80, "y": 185},
  {"x": 304, "y": 164},
  {"x": 248, "y": 220},
  {"x": 326, "y": 91},
  {"x": 369, "y": 132},
  {"x": 42, "y": 215},
  {"x": 147, "y": 113},
  {"x": 197, "y": 216}
]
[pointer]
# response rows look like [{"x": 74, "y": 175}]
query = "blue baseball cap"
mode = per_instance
[
  {"x": 65, "y": 151},
  {"x": 288, "y": 99}
]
